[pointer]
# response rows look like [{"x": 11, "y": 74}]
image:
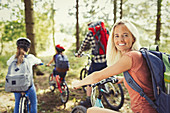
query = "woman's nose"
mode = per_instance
[{"x": 121, "y": 38}]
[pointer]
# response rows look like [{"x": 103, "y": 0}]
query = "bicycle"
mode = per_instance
[
  {"x": 106, "y": 89},
  {"x": 61, "y": 86},
  {"x": 84, "y": 70},
  {"x": 24, "y": 102}
]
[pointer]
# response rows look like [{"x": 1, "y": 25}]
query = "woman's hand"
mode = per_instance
[
  {"x": 47, "y": 65},
  {"x": 76, "y": 84},
  {"x": 120, "y": 79}
]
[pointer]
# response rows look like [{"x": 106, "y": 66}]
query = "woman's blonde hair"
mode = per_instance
[
  {"x": 20, "y": 55},
  {"x": 112, "y": 54}
]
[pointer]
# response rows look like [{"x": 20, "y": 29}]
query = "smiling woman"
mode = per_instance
[{"x": 123, "y": 54}]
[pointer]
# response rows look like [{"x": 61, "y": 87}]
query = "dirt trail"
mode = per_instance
[{"x": 49, "y": 102}]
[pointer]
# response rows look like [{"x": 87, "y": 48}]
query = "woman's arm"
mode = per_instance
[
  {"x": 122, "y": 65},
  {"x": 33, "y": 60}
]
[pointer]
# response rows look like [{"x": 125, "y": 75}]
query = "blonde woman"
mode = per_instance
[{"x": 123, "y": 55}]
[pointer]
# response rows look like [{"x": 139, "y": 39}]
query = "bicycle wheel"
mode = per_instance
[
  {"x": 79, "y": 109},
  {"x": 94, "y": 95},
  {"x": 83, "y": 74},
  {"x": 52, "y": 83},
  {"x": 23, "y": 104},
  {"x": 114, "y": 96},
  {"x": 65, "y": 93}
]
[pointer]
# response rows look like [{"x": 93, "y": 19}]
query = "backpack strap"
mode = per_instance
[
  {"x": 9, "y": 68},
  {"x": 131, "y": 82},
  {"x": 99, "y": 36}
]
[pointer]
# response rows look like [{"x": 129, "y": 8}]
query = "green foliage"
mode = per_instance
[
  {"x": 3, "y": 65},
  {"x": 43, "y": 27},
  {"x": 12, "y": 30}
]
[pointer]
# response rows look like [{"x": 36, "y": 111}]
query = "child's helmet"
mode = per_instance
[
  {"x": 59, "y": 48},
  {"x": 24, "y": 43}
]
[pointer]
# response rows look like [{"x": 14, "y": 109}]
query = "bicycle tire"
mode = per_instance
[
  {"x": 23, "y": 104},
  {"x": 52, "y": 85},
  {"x": 115, "y": 98},
  {"x": 79, "y": 109},
  {"x": 65, "y": 93},
  {"x": 83, "y": 74}
]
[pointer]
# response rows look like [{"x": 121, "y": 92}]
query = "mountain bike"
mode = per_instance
[
  {"x": 84, "y": 70},
  {"x": 24, "y": 103},
  {"x": 113, "y": 96},
  {"x": 55, "y": 82}
]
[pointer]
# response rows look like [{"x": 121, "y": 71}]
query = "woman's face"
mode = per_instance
[{"x": 123, "y": 38}]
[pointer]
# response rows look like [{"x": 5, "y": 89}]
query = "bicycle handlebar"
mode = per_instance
[
  {"x": 83, "y": 54},
  {"x": 50, "y": 65},
  {"x": 110, "y": 79},
  {"x": 39, "y": 64}
]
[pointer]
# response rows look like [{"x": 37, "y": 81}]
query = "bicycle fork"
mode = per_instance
[
  {"x": 98, "y": 102},
  {"x": 58, "y": 83}
]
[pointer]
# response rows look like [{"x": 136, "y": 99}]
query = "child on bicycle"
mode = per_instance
[
  {"x": 123, "y": 55},
  {"x": 58, "y": 71},
  {"x": 23, "y": 47}
]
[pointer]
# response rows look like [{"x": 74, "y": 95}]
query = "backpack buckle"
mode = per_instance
[
  {"x": 142, "y": 93},
  {"x": 157, "y": 90}
]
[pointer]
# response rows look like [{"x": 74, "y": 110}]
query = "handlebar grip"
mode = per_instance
[
  {"x": 114, "y": 80},
  {"x": 41, "y": 64},
  {"x": 110, "y": 79}
]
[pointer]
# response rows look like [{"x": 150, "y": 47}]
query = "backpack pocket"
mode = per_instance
[
  {"x": 163, "y": 103},
  {"x": 18, "y": 83}
]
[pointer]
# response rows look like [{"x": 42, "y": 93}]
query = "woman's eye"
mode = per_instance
[
  {"x": 116, "y": 36},
  {"x": 125, "y": 35}
]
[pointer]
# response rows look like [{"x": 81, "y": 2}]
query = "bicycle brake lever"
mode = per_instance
[{"x": 114, "y": 80}]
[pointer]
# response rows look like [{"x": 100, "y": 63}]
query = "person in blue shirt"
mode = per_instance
[{"x": 62, "y": 73}]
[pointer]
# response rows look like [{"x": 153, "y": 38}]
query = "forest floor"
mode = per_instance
[{"x": 49, "y": 102}]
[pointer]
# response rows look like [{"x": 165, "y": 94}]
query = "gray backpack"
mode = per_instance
[
  {"x": 19, "y": 78},
  {"x": 62, "y": 63}
]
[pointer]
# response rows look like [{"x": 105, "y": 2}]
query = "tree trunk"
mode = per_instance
[
  {"x": 77, "y": 25},
  {"x": 2, "y": 46},
  {"x": 115, "y": 10},
  {"x": 121, "y": 10},
  {"x": 158, "y": 23},
  {"x": 53, "y": 22},
  {"x": 29, "y": 20}
]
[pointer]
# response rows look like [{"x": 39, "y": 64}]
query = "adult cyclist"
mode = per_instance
[{"x": 98, "y": 61}]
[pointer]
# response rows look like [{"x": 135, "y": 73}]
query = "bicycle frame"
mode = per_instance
[
  {"x": 98, "y": 102},
  {"x": 58, "y": 83},
  {"x": 103, "y": 89},
  {"x": 57, "y": 78}
]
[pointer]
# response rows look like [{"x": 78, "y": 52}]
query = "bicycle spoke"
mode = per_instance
[{"x": 115, "y": 97}]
